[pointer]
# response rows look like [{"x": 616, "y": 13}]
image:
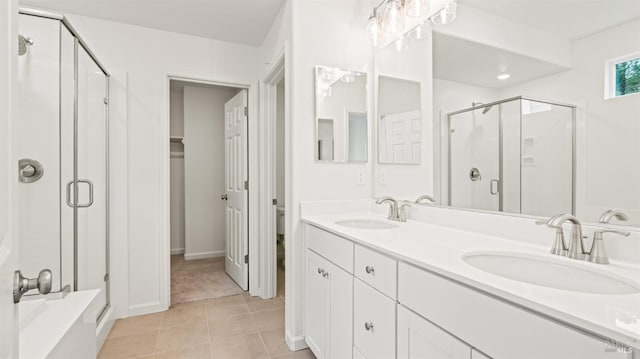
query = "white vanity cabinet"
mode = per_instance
[
  {"x": 329, "y": 298},
  {"x": 374, "y": 322},
  {"x": 419, "y": 339},
  {"x": 364, "y": 304}
]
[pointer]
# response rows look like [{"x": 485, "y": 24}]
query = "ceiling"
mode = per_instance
[
  {"x": 569, "y": 19},
  {"x": 240, "y": 21},
  {"x": 477, "y": 64}
]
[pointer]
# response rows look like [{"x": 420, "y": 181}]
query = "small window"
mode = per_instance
[{"x": 624, "y": 76}]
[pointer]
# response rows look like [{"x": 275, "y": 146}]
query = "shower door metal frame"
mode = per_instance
[
  {"x": 500, "y": 146},
  {"x": 78, "y": 41}
]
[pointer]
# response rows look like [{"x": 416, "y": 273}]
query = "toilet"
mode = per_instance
[{"x": 280, "y": 232}]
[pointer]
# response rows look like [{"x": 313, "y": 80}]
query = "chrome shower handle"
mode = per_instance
[
  {"x": 497, "y": 183},
  {"x": 85, "y": 205},
  {"x": 90, "y": 203}
]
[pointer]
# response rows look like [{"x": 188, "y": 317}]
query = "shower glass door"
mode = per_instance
[
  {"x": 474, "y": 159},
  {"x": 91, "y": 177}
]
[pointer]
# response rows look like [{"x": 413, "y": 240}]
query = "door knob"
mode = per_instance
[
  {"x": 21, "y": 285},
  {"x": 224, "y": 197}
]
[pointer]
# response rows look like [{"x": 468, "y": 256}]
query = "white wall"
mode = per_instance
[
  {"x": 330, "y": 33},
  {"x": 608, "y": 130},
  {"x": 148, "y": 55},
  {"x": 176, "y": 176},
  {"x": 414, "y": 63},
  {"x": 204, "y": 170}
]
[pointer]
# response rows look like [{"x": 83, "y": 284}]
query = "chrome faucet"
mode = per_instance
[
  {"x": 425, "y": 197},
  {"x": 393, "y": 207},
  {"x": 396, "y": 213},
  {"x": 575, "y": 249}
]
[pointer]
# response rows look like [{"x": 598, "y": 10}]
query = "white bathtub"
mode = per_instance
[{"x": 60, "y": 328}]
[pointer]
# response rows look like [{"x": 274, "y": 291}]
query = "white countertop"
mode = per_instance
[{"x": 440, "y": 249}]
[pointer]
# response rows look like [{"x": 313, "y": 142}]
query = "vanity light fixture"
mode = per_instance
[
  {"x": 504, "y": 76},
  {"x": 374, "y": 27},
  {"x": 392, "y": 18},
  {"x": 447, "y": 14},
  {"x": 416, "y": 8}
]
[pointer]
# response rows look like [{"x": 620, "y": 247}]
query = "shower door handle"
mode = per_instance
[
  {"x": 90, "y": 203},
  {"x": 85, "y": 205},
  {"x": 494, "y": 184}
]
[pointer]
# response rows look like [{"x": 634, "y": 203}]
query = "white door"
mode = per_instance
[
  {"x": 419, "y": 339},
  {"x": 236, "y": 225},
  {"x": 8, "y": 174},
  {"x": 401, "y": 137}
]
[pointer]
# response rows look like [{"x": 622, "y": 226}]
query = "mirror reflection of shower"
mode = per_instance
[
  {"x": 23, "y": 44},
  {"x": 486, "y": 109}
]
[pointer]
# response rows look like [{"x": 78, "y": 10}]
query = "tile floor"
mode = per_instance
[
  {"x": 200, "y": 279},
  {"x": 232, "y": 327}
]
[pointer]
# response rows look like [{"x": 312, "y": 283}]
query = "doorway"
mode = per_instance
[{"x": 208, "y": 191}]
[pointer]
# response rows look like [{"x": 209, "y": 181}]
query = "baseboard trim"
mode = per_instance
[
  {"x": 204, "y": 255},
  {"x": 147, "y": 308},
  {"x": 177, "y": 251},
  {"x": 295, "y": 343}
]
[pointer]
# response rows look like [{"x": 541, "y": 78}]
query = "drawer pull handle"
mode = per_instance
[
  {"x": 368, "y": 326},
  {"x": 369, "y": 269},
  {"x": 325, "y": 274},
  {"x": 321, "y": 271}
]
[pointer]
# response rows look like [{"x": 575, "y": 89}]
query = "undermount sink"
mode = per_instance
[
  {"x": 366, "y": 224},
  {"x": 551, "y": 273}
]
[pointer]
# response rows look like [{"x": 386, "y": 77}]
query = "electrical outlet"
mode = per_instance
[{"x": 360, "y": 176}]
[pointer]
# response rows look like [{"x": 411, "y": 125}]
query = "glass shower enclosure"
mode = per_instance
[
  {"x": 515, "y": 155},
  {"x": 62, "y": 149}
]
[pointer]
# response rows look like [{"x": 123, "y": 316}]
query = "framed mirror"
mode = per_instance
[
  {"x": 534, "y": 112},
  {"x": 342, "y": 129}
]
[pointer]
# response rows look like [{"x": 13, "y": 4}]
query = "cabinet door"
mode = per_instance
[
  {"x": 340, "y": 315},
  {"x": 374, "y": 322},
  {"x": 317, "y": 305},
  {"x": 419, "y": 339}
]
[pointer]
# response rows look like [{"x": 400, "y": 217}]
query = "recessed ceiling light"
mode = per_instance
[{"x": 504, "y": 76}]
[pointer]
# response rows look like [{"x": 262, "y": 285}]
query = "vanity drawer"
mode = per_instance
[
  {"x": 374, "y": 322},
  {"x": 493, "y": 326},
  {"x": 334, "y": 248},
  {"x": 377, "y": 270}
]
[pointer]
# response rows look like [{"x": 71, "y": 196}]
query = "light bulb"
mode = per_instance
[
  {"x": 416, "y": 8},
  {"x": 447, "y": 14},
  {"x": 373, "y": 28},
  {"x": 393, "y": 20}
]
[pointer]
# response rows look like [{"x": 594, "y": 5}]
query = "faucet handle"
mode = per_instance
[
  {"x": 560, "y": 247},
  {"x": 598, "y": 254}
]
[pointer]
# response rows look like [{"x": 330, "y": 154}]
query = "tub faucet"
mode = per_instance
[
  {"x": 393, "y": 207},
  {"x": 576, "y": 245}
]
